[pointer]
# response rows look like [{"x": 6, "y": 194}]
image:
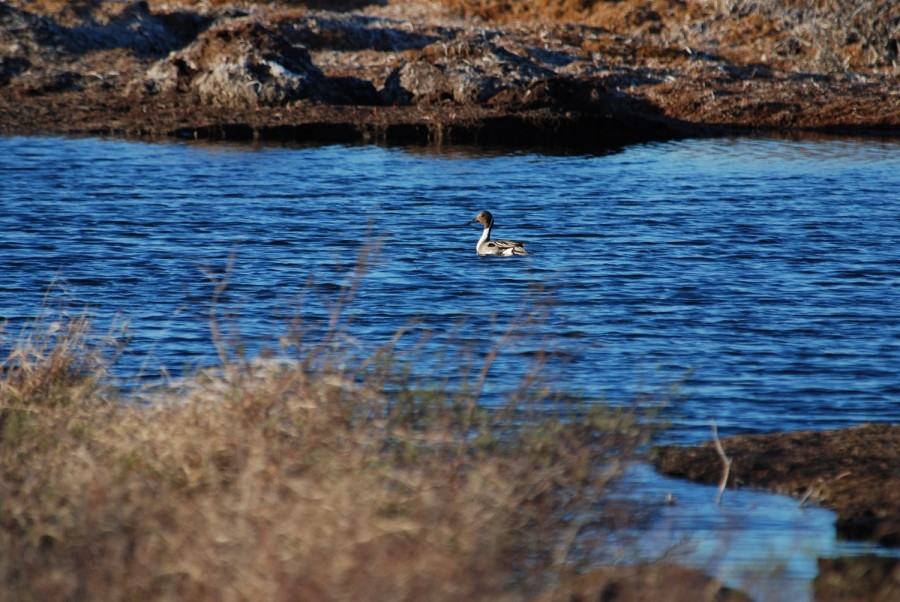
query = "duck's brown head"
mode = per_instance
[{"x": 484, "y": 218}]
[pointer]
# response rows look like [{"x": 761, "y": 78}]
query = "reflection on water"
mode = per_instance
[{"x": 761, "y": 275}]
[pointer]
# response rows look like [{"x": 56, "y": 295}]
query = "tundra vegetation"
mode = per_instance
[
  {"x": 576, "y": 74},
  {"x": 810, "y": 34}
]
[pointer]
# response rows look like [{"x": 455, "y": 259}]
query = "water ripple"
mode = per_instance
[{"x": 761, "y": 274}]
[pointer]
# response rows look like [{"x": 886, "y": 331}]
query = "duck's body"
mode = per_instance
[{"x": 486, "y": 246}]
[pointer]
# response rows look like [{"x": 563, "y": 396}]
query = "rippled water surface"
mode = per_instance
[{"x": 762, "y": 276}]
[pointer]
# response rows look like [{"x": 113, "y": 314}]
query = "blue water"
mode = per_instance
[{"x": 754, "y": 281}]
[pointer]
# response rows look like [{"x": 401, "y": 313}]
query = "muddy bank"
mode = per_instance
[
  {"x": 854, "y": 471},
  {"x": 647, "y": 584},
  {"x": 867, "y": 577},
  {"x": 399, "y": 72}
]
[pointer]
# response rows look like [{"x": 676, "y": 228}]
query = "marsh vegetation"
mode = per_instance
[{"x": 323, "y": 474}]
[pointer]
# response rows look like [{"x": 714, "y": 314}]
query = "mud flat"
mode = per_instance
[{"x": 407, "y": 72}]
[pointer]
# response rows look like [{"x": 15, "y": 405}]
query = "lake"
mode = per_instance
[{"x": 751, "y": 281}]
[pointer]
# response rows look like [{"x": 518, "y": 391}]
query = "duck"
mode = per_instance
[{"x": 486, "y": 246}]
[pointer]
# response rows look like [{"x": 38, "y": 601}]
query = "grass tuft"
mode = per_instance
[
  {"x": 55, "y": 363},
  {"x": 317, "y": 477}
]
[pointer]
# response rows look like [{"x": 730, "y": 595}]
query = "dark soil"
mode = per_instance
[
  {"x": 651, "y": 583},
  {"x": 854, "y": 471},
  {"x": 870, "y": 578}
]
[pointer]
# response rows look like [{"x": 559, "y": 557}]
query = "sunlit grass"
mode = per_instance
[
  {"x": 56, "y": 362},
  {"x": 826, "y": 35},
  {"x": 830, "y": 35}
]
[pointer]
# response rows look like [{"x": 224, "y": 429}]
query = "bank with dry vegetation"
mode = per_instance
[
  {"x": 567, "y": 74},
  {"x": 319, "y": 476}
]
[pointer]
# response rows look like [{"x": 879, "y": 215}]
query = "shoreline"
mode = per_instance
[
  {"x": 852, "y": 471},
  {"x": 394, "y": 74}
]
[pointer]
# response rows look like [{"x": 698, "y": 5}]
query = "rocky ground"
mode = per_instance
[{"x": 427, "y": 73}]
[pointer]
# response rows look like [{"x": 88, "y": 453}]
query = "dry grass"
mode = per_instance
[
  {"x": 58, "y": 362},
  {"x": 322, "y": 477},
  {"x": 821, "y": 34},
  {"x": 520, "y": 10}
]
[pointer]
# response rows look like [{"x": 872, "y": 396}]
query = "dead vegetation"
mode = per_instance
[
  {"x": 828, "y": 35},
  {"x": 59, "y": 362},
  {"x": 322, "y": 475},
  {"x": 568, "y": 74}
]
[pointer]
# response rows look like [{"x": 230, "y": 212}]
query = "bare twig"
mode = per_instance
[
  {"x": 806, "y": 496},
  {"x": 220, "y": 285},
  {"x": 726, "y": 463}
]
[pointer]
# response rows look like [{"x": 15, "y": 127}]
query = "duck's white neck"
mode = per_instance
[{"x": 485, "y": 234}]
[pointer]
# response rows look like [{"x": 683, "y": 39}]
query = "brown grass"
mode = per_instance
[
  {"x": 322, "y": 477},
  {"x": 821, "y": 34},
  {"x": 58, "y": 362}
]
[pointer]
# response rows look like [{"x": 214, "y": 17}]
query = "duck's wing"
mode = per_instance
[{"x": 509, "y": 247}]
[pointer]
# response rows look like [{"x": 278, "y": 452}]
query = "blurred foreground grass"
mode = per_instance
[{"x": 319, "y": 477}]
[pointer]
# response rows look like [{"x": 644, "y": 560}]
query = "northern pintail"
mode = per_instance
[{"x": 486, "y": 246}]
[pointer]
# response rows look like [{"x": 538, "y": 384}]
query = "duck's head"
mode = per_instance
[{"x": 484, "y": 218}]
